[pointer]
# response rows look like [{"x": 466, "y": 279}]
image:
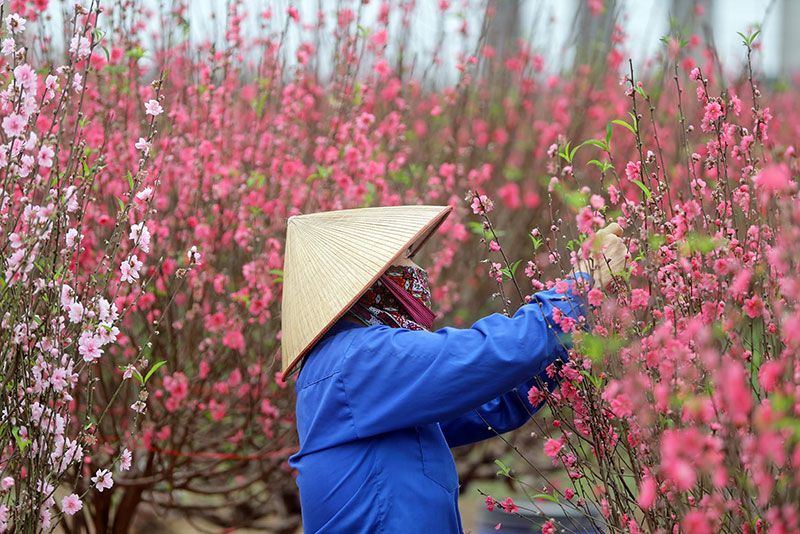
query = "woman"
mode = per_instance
[{"x": 380, "y": 397}]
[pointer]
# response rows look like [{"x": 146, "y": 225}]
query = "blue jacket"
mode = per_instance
[{"x": 378, "y": 409}]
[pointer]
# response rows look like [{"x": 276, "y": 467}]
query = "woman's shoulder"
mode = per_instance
[{"x": 325, "y": 358}]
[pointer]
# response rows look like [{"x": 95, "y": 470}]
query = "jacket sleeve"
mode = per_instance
[
  {"x": 395, "y": 378},
  {"x": 500, "y": 415}
]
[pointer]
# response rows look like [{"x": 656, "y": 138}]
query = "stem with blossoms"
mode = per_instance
[{"x": 674, "y": 410}]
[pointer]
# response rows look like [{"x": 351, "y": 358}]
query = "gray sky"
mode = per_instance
[{"x": 548, "y": 21}]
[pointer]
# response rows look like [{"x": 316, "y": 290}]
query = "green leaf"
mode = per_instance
[
  {"x": 121, "y": 204},
  {"x": 536, "y": 242},
  {"x": 634, "y": 121},
  {"x": 358, "y": 96},
  {"x": 513, "y": 174},
  {"x": 136, "y": 53},
  {"x": 576, "y": 199},
  {"x": 138, "y": 375},
  {"x": 591, "y": 346},
  {"x": 644, "y": 188},
  {"x": 599, "y": 144},
  {"x": 656, "y": 241},
  {"x": 702, "y": 243},
  {"x": 596, "y": 347},
  {"x": 545, "y": 496},
  {"x": 596, "y": 381},
  {"x": 572, "y": 153},
  {"x": 153, "y": 369},
  {"x": 564, "y": 153},
  {"x": 748, "y": 39},
  {"x": 476, "y": 228},
  {"x": 625, "y": 124},
  {"x": 515, "y": 265},
  {"x": 609, "y": 129},
  {"x": 604, "y": 165},
  {"x": 324, "y": 172},
  {"x": 503, "y": 469},
  {"x": 400, "y": 176},
  {"x": 370, "y": 194},
  {"x": 242, "y": 298},
  {"x": 130, "y": 180},
  {"x": 21, "y": 444}
]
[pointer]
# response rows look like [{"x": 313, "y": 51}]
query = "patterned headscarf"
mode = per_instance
[{"x": 400, "y": 298}]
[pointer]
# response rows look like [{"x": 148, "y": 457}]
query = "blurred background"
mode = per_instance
[{"x": 565, "y": 32}]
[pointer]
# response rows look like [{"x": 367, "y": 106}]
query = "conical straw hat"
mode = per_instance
[{"x": 333, "y": 257}]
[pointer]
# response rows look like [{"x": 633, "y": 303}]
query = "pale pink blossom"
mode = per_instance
[
  {"x": 125, "y": 461},
  {"x": 8, "y": 46},
  {"x": 77, "y": 82},
  {"x": 59, "y": 378},
  {"x": 15, "y": 240},
  {"x": 145, "y": 193},
  {"x": 152, "y": 107},
  {"x": 46, "y": 154},
  {"x": 25, "y": 76},
  {"x": 142, "y": 145},
  {"x": 140, "y": 235},
  {"x": 130, "y": 269},
  {"x": 75, "y": 312},
  {"x": 89, "y": 347},
  {"x": 481, "y": 205},
  {"x": 102, "y": 480},
  {"x": 194, "y": 255},
  {"x": 80, "y": 46},
  {"x": 45, "y": 517},
  {"x": 69, "y": 239},
  {"x": 15, "y": 23},
  {"x": 14, "y": 125},
  {"x": 70, "y": 194},
  {"x": 71, "y": 504}
]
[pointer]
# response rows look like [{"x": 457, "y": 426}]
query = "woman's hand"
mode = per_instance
[{"x": 609, "y": 255}]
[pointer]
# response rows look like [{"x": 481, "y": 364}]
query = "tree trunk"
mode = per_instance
[
  {"x": 790, "y": 38},
  {"x": 102, "y": 511},
  {"x": 127, "y": 510},
  {"x": 593, "y": 34},
  {"x": 504, "y": 27}
]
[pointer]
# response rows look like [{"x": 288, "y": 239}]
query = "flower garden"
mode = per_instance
[{"x": 145, "y": 185}]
